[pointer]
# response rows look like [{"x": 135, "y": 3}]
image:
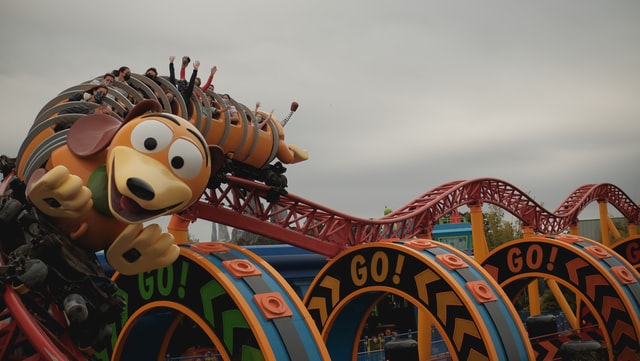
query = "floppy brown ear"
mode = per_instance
[
  {"x": 142, "y": 107},
  {"x": 92, "y": 134},
  {"x": 217, "y": 158}
]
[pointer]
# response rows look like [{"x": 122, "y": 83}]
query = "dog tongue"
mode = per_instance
[{"x": 129, "y": 205}]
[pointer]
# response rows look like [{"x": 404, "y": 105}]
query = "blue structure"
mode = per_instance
[
  {"x": 298, "y": 266},
  {"x": 457, "y": 235}
]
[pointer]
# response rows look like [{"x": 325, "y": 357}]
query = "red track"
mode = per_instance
[{"x": 242, "y": 204}]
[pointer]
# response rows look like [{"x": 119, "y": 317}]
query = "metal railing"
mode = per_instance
[
  {"x": 208, "y": 356},
  {"x": 372, "y": 349}
]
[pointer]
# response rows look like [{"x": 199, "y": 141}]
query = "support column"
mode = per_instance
[
  {"x": 614, "y": 231},
  {"x": 564, "y": 305},
  {"x": 574, "y": 230},
  {"x": 604, "y": 223},
  {"x": 424, "y": 335},
  {"x": 179, "y": 228},
  {"x": 480, "y": 247},
  {"x": 534, "y": 298},
  {"x": 527, "y": 231}
]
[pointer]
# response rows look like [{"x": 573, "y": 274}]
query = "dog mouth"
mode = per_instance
[{"x": 128, "y": 209}]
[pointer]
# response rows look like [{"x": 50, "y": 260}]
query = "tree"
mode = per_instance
[
  {"x": 245, "y": 238},
  {"x": 498, "y": 230},
  {"x": 622, "y": 225},
  {"x": 549, "y": 302}
]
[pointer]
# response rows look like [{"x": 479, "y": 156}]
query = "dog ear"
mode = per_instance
[
  {"x": 217, "y": 158},
  {"x": 91, "y": 134},
  {"x": 142, "y": 107}
]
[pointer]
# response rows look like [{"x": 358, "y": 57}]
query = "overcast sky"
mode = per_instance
[{"x": 396, "y": 98}]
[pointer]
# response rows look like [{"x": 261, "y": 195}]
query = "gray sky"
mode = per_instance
[{"x": 396, "y": 98}]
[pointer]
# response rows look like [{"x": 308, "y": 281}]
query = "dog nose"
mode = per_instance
[{"x": 140, "y": 188}]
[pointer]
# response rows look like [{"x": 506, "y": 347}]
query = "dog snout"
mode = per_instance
[{"x": 140, "y": 188}]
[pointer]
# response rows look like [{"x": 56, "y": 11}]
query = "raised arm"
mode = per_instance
[
  {"x": 206, "y": 85},
  {"x": 172, "y": 70}
]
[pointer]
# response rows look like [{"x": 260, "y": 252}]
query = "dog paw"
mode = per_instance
[
  {"x": 142, "y": 249},
  {"x": 58, "y": 193}
]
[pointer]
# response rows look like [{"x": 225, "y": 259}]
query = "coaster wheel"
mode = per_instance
[
  {"x": 629, "y": 248},
  {"x": 219, "y": 297},
  {"x": 448, "y": 288},
  {"x": 606, "y": 286}
]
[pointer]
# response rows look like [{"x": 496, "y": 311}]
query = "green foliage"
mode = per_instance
[
  {"x": 521, "y": 301},
  {"x": 244, "y": 238},
  {"x": 498, "y": 230},
  {"x": 549, "y": 302},
  {"x": 622, "y": 226}
]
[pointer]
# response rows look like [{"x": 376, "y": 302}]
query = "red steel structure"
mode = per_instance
[{"x": 243, "y": 204}]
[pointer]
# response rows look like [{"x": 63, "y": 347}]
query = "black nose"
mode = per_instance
[{"x": 140, "y": 188}]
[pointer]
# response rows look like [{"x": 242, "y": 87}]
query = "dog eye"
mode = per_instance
[
  {"x": 185, "y": 159},
  {"x": 151, "y": 136}
]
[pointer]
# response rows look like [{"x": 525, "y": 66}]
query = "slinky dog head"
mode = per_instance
[{"x": 156, "y": 163}]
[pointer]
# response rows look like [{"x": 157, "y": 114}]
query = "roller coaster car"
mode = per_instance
[
  {"x": 250, "y": 150},
  {"x": 250, "y": 147}
]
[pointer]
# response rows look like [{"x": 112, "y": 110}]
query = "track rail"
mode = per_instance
[{"x": 244, "y": 204}]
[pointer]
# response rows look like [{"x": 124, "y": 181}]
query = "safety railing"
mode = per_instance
[{"x": 372, "y": 349}]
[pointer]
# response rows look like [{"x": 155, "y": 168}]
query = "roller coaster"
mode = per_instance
[{"x": 219, "y": 298}]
